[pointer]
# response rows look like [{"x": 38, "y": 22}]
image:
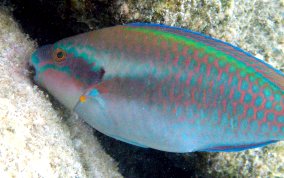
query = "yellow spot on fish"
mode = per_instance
[{"x": 83, "y": 98}]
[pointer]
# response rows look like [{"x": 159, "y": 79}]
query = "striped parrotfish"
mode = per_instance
[{"x": 165, "y": 88}]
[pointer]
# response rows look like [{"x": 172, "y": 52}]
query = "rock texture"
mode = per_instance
[
  {"x": 261, "y": 162},
  {"x": 34, "y": 140},
  {"x": 256, "y": 26}
]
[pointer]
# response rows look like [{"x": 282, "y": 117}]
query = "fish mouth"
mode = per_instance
[{"x": 31, "y": 71}]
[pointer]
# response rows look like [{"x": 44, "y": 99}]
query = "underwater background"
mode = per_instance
[{"x": 39, "y": 138}]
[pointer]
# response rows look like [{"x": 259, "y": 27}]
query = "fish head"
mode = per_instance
[{"x": 65, "y": 71}]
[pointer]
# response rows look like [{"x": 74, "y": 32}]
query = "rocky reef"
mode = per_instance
[
  {"x": 67, "y": 145},
  {"x": 35, "y": 141},
  {"x": 251, "y": 25},
  {"x": 261, "y": 162}
]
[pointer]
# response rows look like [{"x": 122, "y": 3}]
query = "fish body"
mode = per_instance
[{"x": 165, "y": 88}]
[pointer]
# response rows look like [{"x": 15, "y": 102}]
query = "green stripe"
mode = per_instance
[
  {"x": 64, "y": 69},
  {"x": 197, "y": 45},
  {"x": 86, "y": 52}
]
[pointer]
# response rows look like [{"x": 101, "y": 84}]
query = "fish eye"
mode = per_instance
[{"x": 59, "y": 55}]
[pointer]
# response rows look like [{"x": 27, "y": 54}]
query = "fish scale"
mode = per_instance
[
  {"x": 167, "y": 88},
  {"x": 216, "y": 65},
  {"x": 239, "y": 84}
]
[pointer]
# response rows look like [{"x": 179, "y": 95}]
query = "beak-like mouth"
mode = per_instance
[{"x": 31, "y": 71}]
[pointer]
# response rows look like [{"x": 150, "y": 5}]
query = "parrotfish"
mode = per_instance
[{"x": 165, "y": 88}]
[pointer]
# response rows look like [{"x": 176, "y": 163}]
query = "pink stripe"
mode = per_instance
[
  {"x": 234, "y": 104},
  {"x": 224, "y": 104},
  {"x": 174, "y": 47},
  {"x": 243, "y": 93},
  {"x": 43, "y": 63},
  {"x": 199, "y": 80},
  {"x": 208, "y": 70},
  {"x": 184, "y": 51},
  {"x": 189, "y": 77},
  {"x": 204, "y": 98},
  {"x": 167, "y": 57},
  {"x": 175, "y": 61},
  {"x": 231, "y": 93},
  {"x": 222, "y": 89},
  {"x": 187, "y": 61}
]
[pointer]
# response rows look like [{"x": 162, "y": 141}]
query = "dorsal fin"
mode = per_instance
[{"x": 266, "y": 70}]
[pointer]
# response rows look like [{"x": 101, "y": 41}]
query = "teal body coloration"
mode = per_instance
[{"x": 165, "y": 88}]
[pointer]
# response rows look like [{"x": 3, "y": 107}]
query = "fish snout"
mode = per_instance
[
  {"x": 31, "y": 70},
  {"x": 38, "y": 57},
  {"x": 32, "y": 66}
]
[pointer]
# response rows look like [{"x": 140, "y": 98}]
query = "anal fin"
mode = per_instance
[
  {"x": 235, "y": 148},
  {"x": 128, "y": 141}
]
